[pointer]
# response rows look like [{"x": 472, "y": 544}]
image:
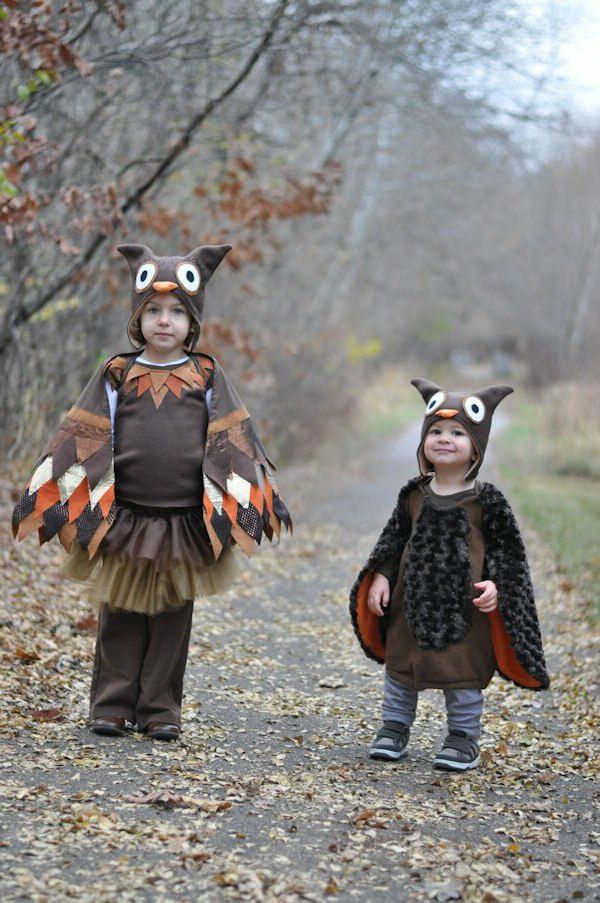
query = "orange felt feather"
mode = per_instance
[
  {"x": 47, "y": 496},
  {"x": 107, "y": 500},
  {"x": 257, "y": 498},
  {"x": 79, "y": 499},
  {"x": 230, "y": 507}
]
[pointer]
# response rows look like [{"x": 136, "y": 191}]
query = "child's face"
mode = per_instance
[
  {"x": 448, "y": 445},
  {"x": 165, "y": 323}
]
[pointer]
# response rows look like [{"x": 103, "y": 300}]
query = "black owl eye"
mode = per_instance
[
  {"x": 145, "y": 276},
  {"x": 434, "y": 402},
  {"x": 474, "y": 408},
  {"x": 188, "y": 277}
]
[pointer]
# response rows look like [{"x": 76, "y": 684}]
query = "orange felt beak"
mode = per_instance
[
  {"x": 446, "y": 412},
  {"x": 164, "y": 286}
]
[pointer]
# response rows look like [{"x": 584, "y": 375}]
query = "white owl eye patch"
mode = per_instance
[
  {"x": 145, "y": 276},
  {"x": 474, "y": 408},
  {"x": 435, "y": 402},
  {"x": 188, "y": 277}
]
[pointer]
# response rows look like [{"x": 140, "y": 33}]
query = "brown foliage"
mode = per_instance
[
  {"x": 37, "y": 45},
  {"x": 254, "y": 206},
  {"x": 217, "y": 335}
]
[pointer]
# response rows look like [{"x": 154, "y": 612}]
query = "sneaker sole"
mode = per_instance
[
  {"x": 388, "y": 755},
  {"x": 443, "y": 765}
]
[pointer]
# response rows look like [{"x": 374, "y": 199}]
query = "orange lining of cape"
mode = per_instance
[
  {"x": 506, "y": 660},
  {"x": 368, "y": 623}
]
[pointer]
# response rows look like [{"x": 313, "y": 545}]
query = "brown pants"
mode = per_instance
[{"x": 139, "y": 665}]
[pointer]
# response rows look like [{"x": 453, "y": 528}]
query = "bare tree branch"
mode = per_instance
[{"x": 17, "y": 314}]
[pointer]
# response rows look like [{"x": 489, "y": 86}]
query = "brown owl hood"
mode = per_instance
[
  {"x": 184, "y": 277},
  {"x": 472, "y": 410}
]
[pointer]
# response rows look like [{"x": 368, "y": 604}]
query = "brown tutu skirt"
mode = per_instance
[{"x": 152, "y": 560}]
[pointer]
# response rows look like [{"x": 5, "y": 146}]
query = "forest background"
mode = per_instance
[{"x": 403, "y": 182}]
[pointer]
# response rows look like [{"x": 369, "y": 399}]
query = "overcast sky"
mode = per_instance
[{"x": 581, "y": 54}]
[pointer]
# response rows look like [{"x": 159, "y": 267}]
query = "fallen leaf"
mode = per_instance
[
  {"x": 55, "y": 715},
  {"x": 89, "y": 624},
  {"x": 25, "y": 656},
  {"x": 332, "y": 683}
]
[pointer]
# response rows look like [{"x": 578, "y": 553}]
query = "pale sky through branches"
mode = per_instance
[{"x": 581, "y": 55}]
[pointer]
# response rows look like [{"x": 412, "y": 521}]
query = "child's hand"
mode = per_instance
[
  {"x": 488, "y": 600},
  {"x": 379, "y": 594}
]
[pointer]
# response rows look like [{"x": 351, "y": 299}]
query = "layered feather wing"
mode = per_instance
[
  {"x": 72, "y": 490},
  {"x": 241, "y": 497}
]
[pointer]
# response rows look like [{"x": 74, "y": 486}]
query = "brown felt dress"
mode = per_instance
[
  {"x": 157, "y": 554},
  {"x": 468, "y": 663}
]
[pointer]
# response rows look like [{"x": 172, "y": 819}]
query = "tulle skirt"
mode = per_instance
[{"x": 152, "y": 560}]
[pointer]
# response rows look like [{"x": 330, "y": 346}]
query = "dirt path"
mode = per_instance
[{"x": 269, "y": 795}]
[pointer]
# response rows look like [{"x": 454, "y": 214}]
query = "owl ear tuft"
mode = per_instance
[
  {"x": 426, "y": 388},
  {"x": 493, "y": 395},
  {"x": 208, "y": 258},
  {"x": 134, "y": 254}
]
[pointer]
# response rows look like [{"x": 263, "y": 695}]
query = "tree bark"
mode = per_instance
[{"x": 585, "y": 293}]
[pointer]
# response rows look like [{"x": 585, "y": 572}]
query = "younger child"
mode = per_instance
[
  {"x": 152, "y": 477},
  {"x": 445, "y": 598}
]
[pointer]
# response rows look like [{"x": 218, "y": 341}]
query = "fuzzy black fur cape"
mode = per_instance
[{"x": 439, "y": 553}]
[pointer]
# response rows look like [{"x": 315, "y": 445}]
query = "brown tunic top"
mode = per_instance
[
  {"x": 160, "y": 433},
  {"x": 468, "y": 663}
]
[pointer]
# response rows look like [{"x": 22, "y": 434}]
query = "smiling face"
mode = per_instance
[
  {"x": 469, "y": 412},
  {"x": 165, "y": 325},
  {"x": 447, "y": 445}
]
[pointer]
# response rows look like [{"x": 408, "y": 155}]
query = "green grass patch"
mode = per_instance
[
  {"x": 562, "y": 503},
  {"x": 566, "y": 514}
]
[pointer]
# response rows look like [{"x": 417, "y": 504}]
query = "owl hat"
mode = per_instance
[
  {"x": 184, "y": 277},
  {"x": 472, "y": 411}
]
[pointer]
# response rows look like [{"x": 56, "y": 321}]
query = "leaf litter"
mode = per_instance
[{"x": 269, "y": 795}]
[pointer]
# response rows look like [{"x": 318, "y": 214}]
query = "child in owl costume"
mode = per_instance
[
  {"x": 154, "y": 475},
  {"x": 415, "y": 604}
]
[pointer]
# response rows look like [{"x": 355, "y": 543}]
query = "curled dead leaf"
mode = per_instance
[
  {"x": 89, "y": 624},
  {"x": 26, "y": 656},
  {"x": 166, "y": 800},
  {"x": 197, "y": 857},
  {"x": 546, "y": 777},
  {"x": 363, "y": 816},
  {"x": 49, "y": 715},
  {"x": 370, "y": 818},
  {"x": 332, "y": 683}
]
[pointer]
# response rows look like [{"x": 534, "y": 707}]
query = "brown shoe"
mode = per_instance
[
  {"x": 111, "y": 726},
  {"x": 158, "y": 731}
]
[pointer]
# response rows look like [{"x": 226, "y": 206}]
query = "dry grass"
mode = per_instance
[
  {"x": 390, "y": 402},
  {"x": 550, "y": 457},
  {"x": 569, "y": 430}
]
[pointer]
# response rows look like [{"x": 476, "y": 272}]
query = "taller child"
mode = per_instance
[{"x": 152, "y": 477}]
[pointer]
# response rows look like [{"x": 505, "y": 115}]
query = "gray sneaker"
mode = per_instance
[
  {"x": 391, "y": 742},
  {"x": 459, "y": 753}
]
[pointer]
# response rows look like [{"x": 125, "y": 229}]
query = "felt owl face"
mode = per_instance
[
  {"x": 184, "y": 277},
  {"x": 472, "y": 410}
]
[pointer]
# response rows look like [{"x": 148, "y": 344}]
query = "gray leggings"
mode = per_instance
[{"x": 463, "y": 707}]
